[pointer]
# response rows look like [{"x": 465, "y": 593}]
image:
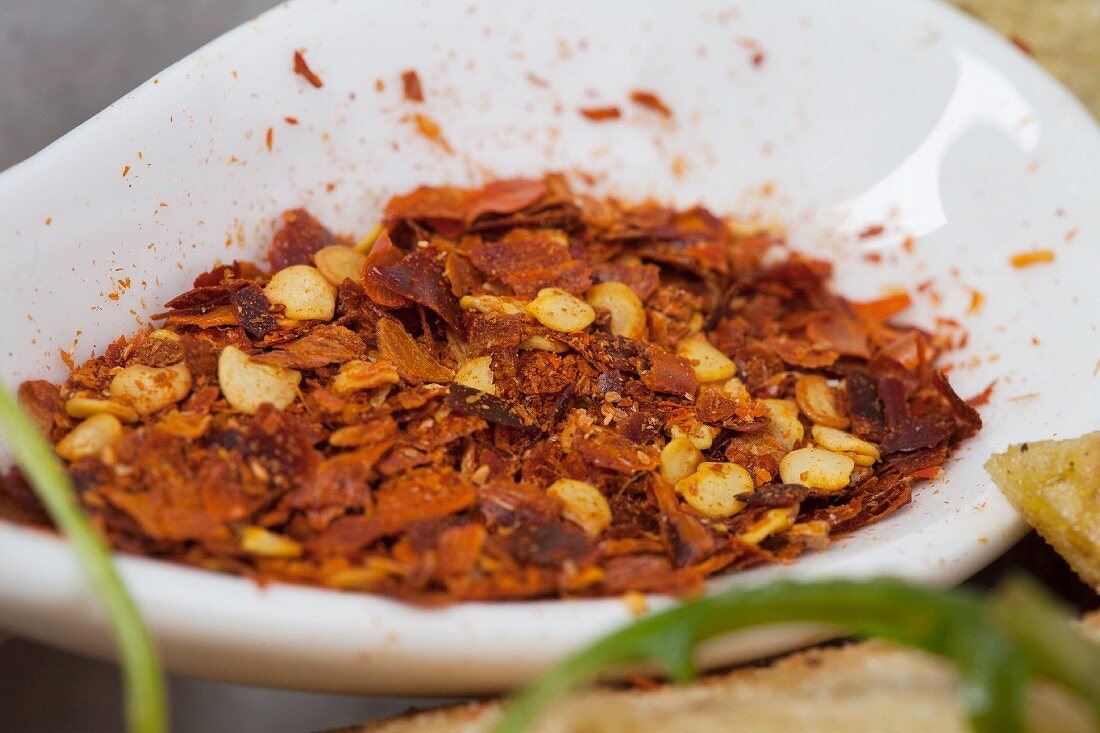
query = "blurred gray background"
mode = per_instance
[{"x": 62, "y": 61}]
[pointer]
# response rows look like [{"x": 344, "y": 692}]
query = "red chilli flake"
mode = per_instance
[
  {"x": 1022, "y": 45},
  {"x": 410, "y": 81},
  {"x": 982, "y": 398},
  {"x": 291, "y": 120},
  {"x": 429, "y": 128},
  {"x": 302, "y": 69},
  {"x": 268, "y": 138},
  {"x": 1035, "y": 257},
  {"x": 650, "y": 101},
  {"x": 601, "y": 114},
  {"x": 872, "y": 231}
]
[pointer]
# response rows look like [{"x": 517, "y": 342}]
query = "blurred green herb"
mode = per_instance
[
  {"x": 146, "y": 707},
  {"x": 999, "y": 644}
]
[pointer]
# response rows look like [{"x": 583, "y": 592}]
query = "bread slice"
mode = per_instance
[{"x": 869, "y": 686}]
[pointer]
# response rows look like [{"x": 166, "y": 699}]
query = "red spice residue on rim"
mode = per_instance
[
  {"x": 601, "y": 114},
  {"x": 302, "y": 69},
  {"x": 650, "y": 101},
  {"x": 1034, "y": 257},
  {"x": 410, "y": 84}
]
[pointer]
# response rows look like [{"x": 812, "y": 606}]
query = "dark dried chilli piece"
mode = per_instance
[
  {"x": 488, "y": 407},
  {"x": 254, "y": 311},
  {"x": 420, "y": 278},
  {"x": 779, "y": 496},
  {"x": 300, "y": 237},
  {"x": 864, "y": 408},
  {"x": 552, "y": 544}
]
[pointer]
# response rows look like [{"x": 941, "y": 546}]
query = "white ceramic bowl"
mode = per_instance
[{"x": 900, "y": 113}]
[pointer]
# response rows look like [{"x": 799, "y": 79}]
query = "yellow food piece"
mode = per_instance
[
  {"x": 541, "y": 343},
  {"x": 816, "y": 468},
  {"x": 148, "y": 389},
  {"x": 247, "y": 384},
  {"x": 785, "y": 425},
  {"x": 627, "y": 314},
  {"x": 90, "y": 437},
  {"x": 477, "y": 374},
  {"x": 304, "y": 292},
  {"x": 710, "y": 364},
  {"x": 774, "y": 520},
  {"x": 366, "y": 244},
  {"x": 679, "y": 459},
  {"x": 582, "y": 504},
  {"x": 818, "y": 401},
  {"x": 701, "y": 435},
  {"x": 560, "y": 310},
  {"x": 736, "y": 389},
  {"x": 338, "y": 263},
  {"x": 82, "y": 407},
  {"x": 492, "y": 305},
  {"x": 714, "y": 487},
  {"x": 265, "y": 543},
  {"x": 838, "y": 441},
  {"x": 1055, "y": 485}
]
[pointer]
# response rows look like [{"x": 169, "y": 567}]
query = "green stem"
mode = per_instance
[
  {"x": 1042, "y": 628},
  {"x": 957, "y": 625},
  {"x": 146, "y": 707}
]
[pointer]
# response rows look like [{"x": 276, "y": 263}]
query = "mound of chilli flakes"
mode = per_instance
[{"x": 511, "y": 392}]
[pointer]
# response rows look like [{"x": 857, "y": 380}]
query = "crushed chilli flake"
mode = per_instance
[
  {"x": 508, "y": 393},
  {"x": 1034, "y": 257},
  {"x": 302, "y": 69},
  {"x": 601, "y": 114}
]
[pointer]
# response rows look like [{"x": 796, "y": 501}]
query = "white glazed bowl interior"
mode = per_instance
[{"x": 899, "y": 113}]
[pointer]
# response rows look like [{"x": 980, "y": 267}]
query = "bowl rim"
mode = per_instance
[{"x": 169, "y": 592}]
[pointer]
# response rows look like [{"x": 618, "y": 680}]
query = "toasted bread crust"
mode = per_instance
[{"x": 871, "y": 686}]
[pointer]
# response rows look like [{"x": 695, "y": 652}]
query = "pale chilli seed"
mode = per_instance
[
  {"x": 90, "y": 437},
  {"x": 265, "y": 543},
  {"x": 541, "y": 343},
  {"x": 839, "y": 441},
  {"x": 700, "y": 434},
  {"x": 816, "y": 468},
  {"x": 247, "y": 384},
  {"x": 304, "y": 293},
  {"x": 477, "y": 374},
  {"x": 714, "y": 487},
  {"x": 710, "y": 364},
  {"x": 560, "y": 310},
  {"x": 774, "y": 520},
  {"x": 338, "y": 263},
  {"x": 148, "y": 389},
  {"x": 679, "y": 459},
  {"x": 628, "y": 317},
  {"x": 819, "y": 402},
  {"x": 82, "y": 407},
  {"x": 492, "y": 305},
  {"x": 785, "y": 425},
  {"x": 582, "y": 504}
]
